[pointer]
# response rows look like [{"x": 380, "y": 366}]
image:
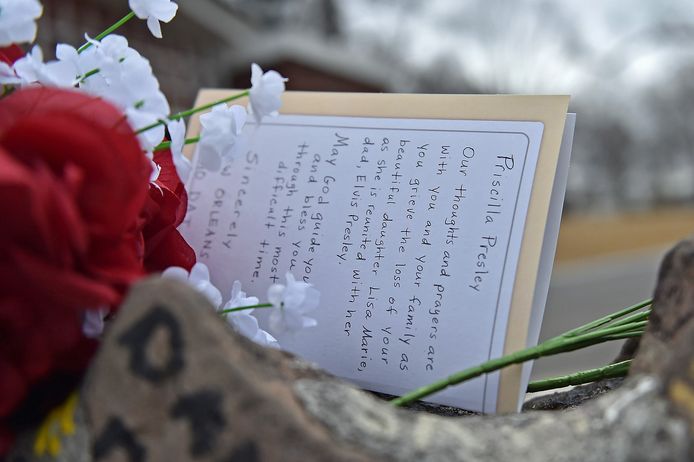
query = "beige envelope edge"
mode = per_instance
[{"x": 550, "y": 110}]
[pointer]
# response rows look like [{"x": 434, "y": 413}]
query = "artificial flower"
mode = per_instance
[
  {"x": 293, "y": 301},
  {"x": 73, "y": 180},
  {"x": 11, "y": 54},
  {"x": 93, "y": 322},
  {"x": 199, "y": 279},
  {"x": 126, "y": 79},
  {"x": 265, "y": 92},
  {"x": 177, "y": 132},
  {"x": 220, "y": 135},
  {"x": 31, "y": 69},
  {"x": 7, "y": 75},
  {"x": 18, "y": 21},
  {"x": 154, "y": 11},
  {"x": 164, "y": 210},
  {"x": 156, "y": 168},
  {"x": 242, "y": 321},
  {"x": 8, "y": 56}
]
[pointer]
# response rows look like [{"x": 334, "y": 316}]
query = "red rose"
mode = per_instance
[
  {"x": 11, "y": 54},
  {"x": 164, "y": 211},
  {"x": 73, "y": 181}
]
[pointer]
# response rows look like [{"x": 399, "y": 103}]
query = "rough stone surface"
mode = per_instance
[
  {"x": 633, "y": 423},
  {"x": 435, "y": 409},
  {"x": 572, "y": 398},
  {"x": 173, "y": 382},
  {"x": 673, "y": 311}
]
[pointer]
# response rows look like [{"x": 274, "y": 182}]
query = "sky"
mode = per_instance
[{"x": 526, "y": 46}]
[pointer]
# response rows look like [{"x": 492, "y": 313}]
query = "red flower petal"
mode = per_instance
[
  {"x": 11, "y": 54},
  {"x": 12, "y": 387}
]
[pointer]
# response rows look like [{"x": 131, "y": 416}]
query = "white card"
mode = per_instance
[{"x": 411, "y": 229}]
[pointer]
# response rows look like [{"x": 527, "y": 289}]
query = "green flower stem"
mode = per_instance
[
  {"x": 609, "y": 318},
  {"x": 243, "y": 308},
  {"x": 626, "y": 335},
  {"x": 167, "y": 144},
  {"x": 108, "y": 31},
  {"x": 194, "y": 110},
  {"x": 592, "y": 375},
  {"x": 584, "y": 336},
  {"x": 643, "y": 316},
  {"x": 86, "y": 75}
]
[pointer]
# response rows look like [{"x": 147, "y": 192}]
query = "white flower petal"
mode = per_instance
[
  {"x": 177, "y": 131},
  {"x": 244, "y": 323},
  {"x": 156, "y": 171},
  {"x": 154, "y": 11},
  {"x": 126, "y": 80},
  {"x": 265, "y": 93},
  {"x": 7, "y": 75},
  {"x": 18, "y": 21},
  {"x": 31, "y": 69},
  {"x": 238, "y": 298},
  {"x": 198, "y": 279},
  {"x": 293, "y": 301},
  {"x": 93, "y": 322},
  {"x": 154, "y": 27},
  {"x": 219, "y": 137},
  {"x": 176, "y": 273}
]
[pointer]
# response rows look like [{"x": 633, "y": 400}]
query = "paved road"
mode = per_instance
[{"x": 583, "y": 291}]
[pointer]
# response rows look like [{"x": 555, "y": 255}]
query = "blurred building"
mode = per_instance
[{"x": 211, "y": 43}]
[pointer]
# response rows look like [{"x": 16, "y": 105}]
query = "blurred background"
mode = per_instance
[{"x": 627, "y": 65}]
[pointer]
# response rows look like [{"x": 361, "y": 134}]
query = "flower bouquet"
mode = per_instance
[{"x": 92, "y": 178}]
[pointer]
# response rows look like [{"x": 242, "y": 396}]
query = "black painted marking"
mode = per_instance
[
  {"x": 116, "y": 436},
  {"x": 203, "y": 410},
  {"x": 247, "y": 452},
  {"x": 139, "y": 335}
]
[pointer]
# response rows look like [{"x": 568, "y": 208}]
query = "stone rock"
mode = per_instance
[
  {"x": 173, "y": 382},
  {"x": 574, "y": 397},
  {"x": 633, "y": 423},
  {"x": 672, "y": 312}
]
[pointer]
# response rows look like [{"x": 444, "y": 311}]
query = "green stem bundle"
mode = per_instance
[
  {"x": 601, "y": 330},
  {"x": 611, "y": 371}
]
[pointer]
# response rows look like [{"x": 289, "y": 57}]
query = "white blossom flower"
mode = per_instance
[
  {"x": 265, "y": 92},
  {"x": 156, "y": 168},
  {"x": 220, "y": 135},
  {"x": 243, "y": 322},
  {"x": 18, "y": 21},
  {"x": 154, "y": 11},
  {"x": 293, "y": 301},
  {"x": 177, "y": 131},
  {"x": 125, "y": 78},
  {"x": 31, "y": 69},
  {"x": 93, "y": 322},
  {"x": 198, "y": 279},
  {"x": 7, "y": 75}
]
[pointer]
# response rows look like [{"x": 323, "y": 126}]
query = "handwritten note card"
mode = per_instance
[{"x": 412, "y": 230}]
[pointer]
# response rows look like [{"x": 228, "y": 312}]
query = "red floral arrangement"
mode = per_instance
[
  {"x": 91, "y": 195},
  {"x": 82, "y": 223}
]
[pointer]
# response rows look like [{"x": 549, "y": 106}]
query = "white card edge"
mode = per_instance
[{"x": 549, "y": 247}]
